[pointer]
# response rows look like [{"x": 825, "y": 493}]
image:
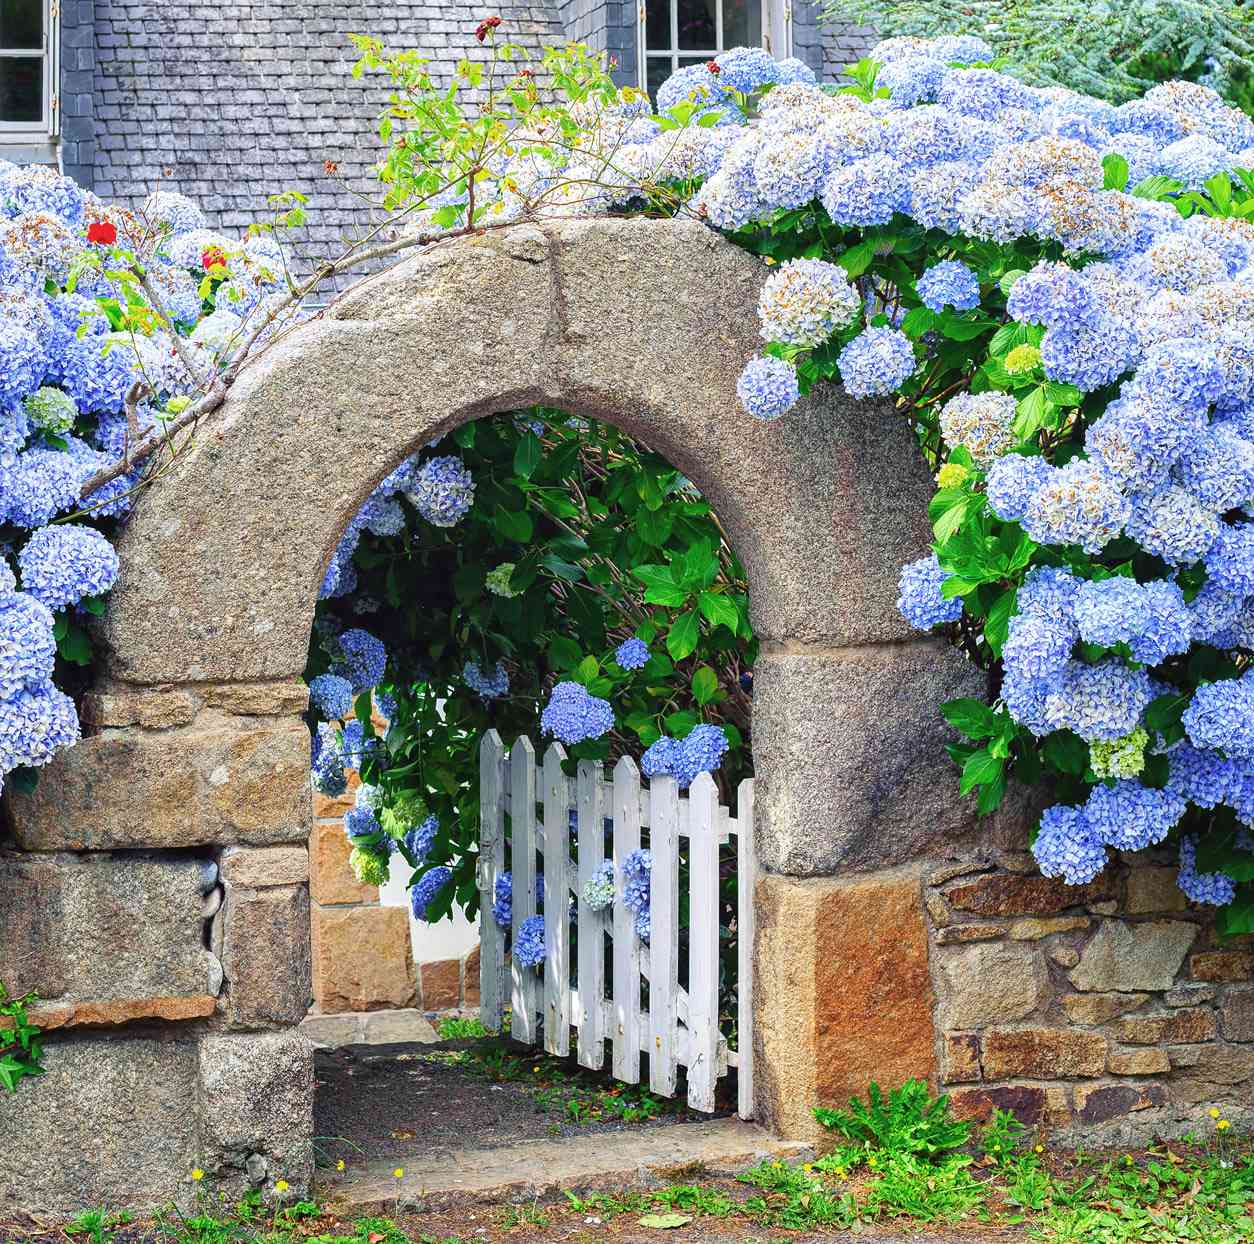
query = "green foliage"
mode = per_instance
[
  {"x": 460, "y": 1029},
  {"x": 21, "y": 1050},
  {"x": 1113, "y": 51},
  {"x": 908, "y": 1121},
  {"x": 607, "y": 541}
]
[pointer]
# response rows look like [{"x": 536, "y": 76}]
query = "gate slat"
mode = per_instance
[
  {"x": 556, "y": 903},
  {"x": 592, "y": 924},
  {"x": 664, "y": 933},
  {"x": 522, "y": 764},
  {"x": 746, "y": 931},
  {"x": 703, "y": 941},
  {"x": 491, "y": 865},
  {"x": 626, "y": 986}
]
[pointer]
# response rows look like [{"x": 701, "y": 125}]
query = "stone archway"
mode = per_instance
[{"x": 192, "y": 790}]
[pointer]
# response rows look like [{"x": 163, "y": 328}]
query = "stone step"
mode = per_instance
[{"x": 542, "y": 1168}]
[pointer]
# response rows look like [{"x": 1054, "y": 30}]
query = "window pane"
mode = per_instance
[
  {"x": 22, "y": 23},
  {"x": 21, "y": 89},
  {"x": 659, "y": 69},
  {"x": 696, "y": 24},
  {"x": 658, "y": 24},
  {"x": 742, "y": 23}
]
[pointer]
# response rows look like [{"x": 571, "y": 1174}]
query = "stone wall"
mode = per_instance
[{"x": 1108, "y": 1013}]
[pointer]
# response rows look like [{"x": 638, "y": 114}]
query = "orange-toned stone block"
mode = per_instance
[
  {"x": 330, "y": 878},
  {"x": 441, "y": 985},
  {"x": 362, "y": 959},
  {"x": 470, "y": 979}
]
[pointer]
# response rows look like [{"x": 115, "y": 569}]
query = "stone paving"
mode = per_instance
[{"x": 542, "y": 1168}]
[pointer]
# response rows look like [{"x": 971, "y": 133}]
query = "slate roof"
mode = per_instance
[{"x": 228, "y": 102}]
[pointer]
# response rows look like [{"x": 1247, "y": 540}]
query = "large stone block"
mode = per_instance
[
  {"x": 271, "y": 866},
  {"x": 990, "y": 983},
  {"x": 220, "y": 780},
  {"x": 1125, "y": 958},
  {"x": 266, "y": 955},
  {"x": 256, "y": 1094},
  {"x": 849, "y": 752},
  {"x": 99, "y": 927},
  {"x": 362, "y": 959},
  {"x": 113, "y": 1122},
  {"x": 331, "y": 881},
  {"x": 843, "y": 991}
]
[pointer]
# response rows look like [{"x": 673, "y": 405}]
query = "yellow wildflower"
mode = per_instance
[
  {"x": 398, "y": 1172},
  {"x": 339, "y": 1166},
  {"x": 281, "y": 1185},
  {"x": 198, "y": 1174},
  {"x": 1214, "y": 1114},
  {"x": 1223, "y": 1125}
]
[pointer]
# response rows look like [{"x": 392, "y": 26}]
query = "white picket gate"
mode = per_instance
[{"x": 681, "y": 1026}]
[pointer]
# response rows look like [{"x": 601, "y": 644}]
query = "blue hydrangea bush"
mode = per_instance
[
  {"x": 1058, "y": 294},
  {"x": 111, "y": 322}
]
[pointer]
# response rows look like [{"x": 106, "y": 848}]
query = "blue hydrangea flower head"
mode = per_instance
[
  {"x": 573, "y": 715},
  {"x": 359, "y": 822},
  {"x": 488, "y": 686},
  {"x": 364, "y": 659},
  {"x": 746, "y": 69},
  {"x": 632, "y": 654},
  {"x": 661, "y": 759},
  {"x": 529, "y": 944},
  {"x": 921, "y": 602},
  {"x": 1130, "y": 817},
  {"x": 870, "y": 191},
  {"x": 442, "y": 491},
  {"x": 426, "y": 888},
  {"x": 700, "y": 751},
  {"x": 878, "y": 361},
  {"x": 1098, "y": 702},
  {"x": 1066, "y": 847},
  {"x": 1012, "y": 481},
  {"x": 27, "y": 647},
  {"x": 419, "y": 840},
  {"x": 328, "y": 763},
  {"x": 332, "y": 696},
  {"x": 37, "y": 722},
  {"x": 64, "y": 564},
  {"x": 1213, "y": 889},
  {"x": 948, "y": 284},
  {"x": 1054, "y": 295},
  {"x": 768, "y": 388},
  {"x": 1221, "y": 717}
]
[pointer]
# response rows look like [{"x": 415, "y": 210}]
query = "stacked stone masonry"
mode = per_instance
[{"x": 1107, "y": 1013}]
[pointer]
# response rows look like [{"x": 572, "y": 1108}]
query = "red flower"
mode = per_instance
[
  {"x": 212, "y": 256},
  {"x": 488, "y": 24},
  {"x": 102, "y": 233},
  {"x": 714, "y": 67}
]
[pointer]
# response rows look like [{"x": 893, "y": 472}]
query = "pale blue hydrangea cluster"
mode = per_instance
[
  {"x": 876, "y": 362},
  {"x": 804, "y": 301},
  {"x": 1215, "y": 889},
  {"x": 360, "y": 658},
  {"x": 328, "y": 772},
  {"x": 573, "y": 715},
  {"x": 442, "y": 491},
  {"x": 921, "y": 602},
  {"x": 66, "y": 563},
  {"x": 700, "y": 751},
  {"x": 637, "y": 871},
  {"x": 360, "y": 822},
  {"x": 427, "y": 887},
  {"x": 981, "y": 423},
  {"x": 948, "y": 284},
  {"x": 598, "y": 891},
  {"x": 632, "y": 654},
  {"x": 768, "y": 387}
]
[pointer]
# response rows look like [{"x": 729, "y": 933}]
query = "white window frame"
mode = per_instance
[
  {"x": 776, "y": 36},
  {"x": 46, "y": 126}
]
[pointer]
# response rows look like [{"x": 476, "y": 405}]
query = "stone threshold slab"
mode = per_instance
[
  {"x": 541, "y": 1168},
  {"x": 399, "y": 1027}
]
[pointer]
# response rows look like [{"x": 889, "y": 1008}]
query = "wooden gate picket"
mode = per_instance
[{"x": 681, "y": 1027}]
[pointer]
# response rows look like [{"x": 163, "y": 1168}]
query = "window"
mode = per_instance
[
  {"x": 27, "y": 65},
  {"x": 675, "y": 33}
]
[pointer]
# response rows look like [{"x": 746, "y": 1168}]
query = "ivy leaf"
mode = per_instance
[
  {"x": 719, "y": 610},
  {"x": 681, "y": 639},
  {"x": 704, "y": 685}
]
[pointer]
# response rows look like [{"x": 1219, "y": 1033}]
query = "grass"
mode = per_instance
[
  {"x": 461, "y": 1029},
  {"x": 881, "y": 1174}
]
